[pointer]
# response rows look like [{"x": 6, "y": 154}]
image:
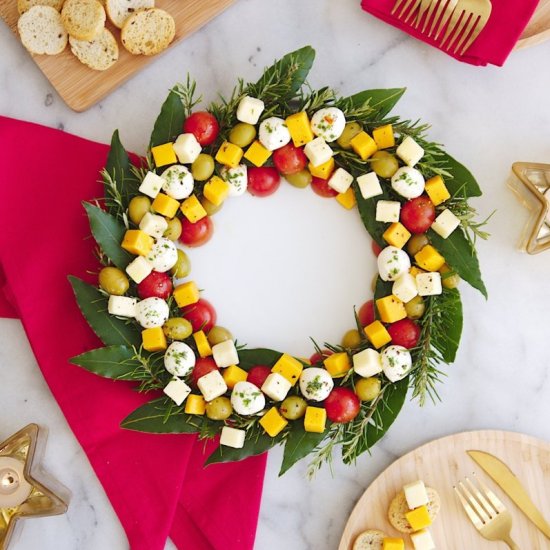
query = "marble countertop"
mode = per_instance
[{"x": 487, "y": 117}]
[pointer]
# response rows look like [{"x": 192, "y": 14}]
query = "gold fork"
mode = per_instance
[
  {"x": 408, "y": 8},
  {"x": 442, "y": 15},
  {"x": 486, "y": 512}
]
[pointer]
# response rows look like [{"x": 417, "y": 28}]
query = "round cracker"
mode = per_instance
[
  {"x": 148, "y": 32},
  {"x": 98, "y": 54},
  {"x": 41, "y": 30},
  {"x": 119, "y": 10},
  {"x": 83, "y": 19},
  {"x": 398, "y": 508},
  {"x": 26, "y": 5},
  {"x": 371, "y": 539}
]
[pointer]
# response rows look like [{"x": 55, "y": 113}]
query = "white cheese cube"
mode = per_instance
[
  {"x": 177, "y": 390},
  {"x": 237, "y": 178},
  {"x": 123, "y": 306},
  {"x": 232, "y": 437},
  {"x": 138, "y": 269},
  {"x": 405, "y": 288},
  {"x": 429, "y": 284},
  {"x": 445, "y": 223},
  {"x": 273, "y": 133},
  {"x": 187, "y": 148},
  {"x": 392, "y": 263},
  {"x": 369, "y": 185},
  {"x": 212, "y": 385},
  {"x": 153, "y": 225},
  {"x": 388, "y": 211},
  {"x": 163, "y": 256},
  {"x": 276, "y": 386},
  {"x": 225, "y": 354},
  {"x": 151, "y": 185},
  {"x": 341, "y": 180},
  {"x": 317, "y": 151},
  {"x": 409, "y": 151},
  {"x": 250, "y": 109},
  {"x": 367, "y": 363},
  {"x": 422, "y": 540},
  {"x": 416, "y": 494}
]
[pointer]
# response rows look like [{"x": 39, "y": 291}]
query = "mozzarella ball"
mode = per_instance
[
  {"x": 237, "y": 178},
  {"x": 408, "y": 182},
  {"x": 247, "y": 399},
  {"x": 273, "y": 133},
  {"x": 163, "y": 255},
  {"x": 328, "y": 123},
  {"x": 178, "y": 182},
  {"x": 316, "y": 383},
  {"x": 392, "y": 263},
  {"x": 396, "y": 362},
  {"x": 152, "y": 312},
  {"x": 179, "y": 359}
]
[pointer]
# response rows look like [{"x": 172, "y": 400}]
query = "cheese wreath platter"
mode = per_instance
[{"x": 412, "y": 198}]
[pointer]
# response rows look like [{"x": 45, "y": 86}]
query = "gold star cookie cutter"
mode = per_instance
[
  {"x": 21, "y": 495},
  {"x": 532, "y": 187}
]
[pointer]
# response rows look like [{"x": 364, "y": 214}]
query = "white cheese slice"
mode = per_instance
[
  {"x": 250, "y": 109},
  {"x": 212, "y": 385},
  {"x": 405, "y": 288},
  {"x": 273, "y": 133},
  {"x": 225, "y": 354},
  {"x": 429, "y": 284},
  {"x": 187, "y": 148},
  {"x": 247, "y": 399},
  {"x": 151, "y": 185},
  {"x": 138, "y": 269},
  {"x": 392, "y": 263},
  {"x": 328, "y": 123},
  {"x": 122, "y": 306},
  {"x": 445, "y": 223},
  {"x": 177, "y": 390},
  {"x": 163, "y": 255},
  {"x": 317, "y": 151},
  {"x": 409, "y": 151},
  {"x": 178, "y": 182},
  {"x": 153, "y": 225},
  {"x": 396, "y": 362},
  {"x": 408, "y": 182},
  {"x": 179, "y": 359},
  {"x": 232, "y": 437},
  {"x": 276, "y": 386},
  {"x": 152, "y": 312},
  {"x": 316, "y": 383},
  {"x": 367, "y": 363},
  {"x": 369, "y": 185},
  {"x": 387, "y": 211},
  {"x": 341, "y": 180}
]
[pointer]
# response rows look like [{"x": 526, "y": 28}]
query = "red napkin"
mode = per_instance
[
  {"x": 494, "y": 43},
  {"x": 156, "y": 483}
]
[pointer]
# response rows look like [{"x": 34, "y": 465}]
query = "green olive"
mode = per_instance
[
  {"x": 177, "y": 328},
  {"x": 242, "y": 134},
  {"x": 384, "y": 164},
  {"x": 416, "y": 243},
  {"x": 203, "y": 167},
  {"x": 300, "y": 179},
  {"x": 219, "y": 408},
  {"x": 182, "y": 267},
  {"x": 449, "y": 278},
  {"x": 293, "y": 407},
  {"x": 138, "y": 207},
  {"x": 350, "y": 131},
  {"x": 415, "y": 308},
  {"x": 351, "y": 339},
  {"x": 174, "y": 229},
  {"x": 210, "y": 207},
  {"x": 218, "y": 334},
  {"x": 113, "y": 281},
  {"x": 368, "y": 389}
]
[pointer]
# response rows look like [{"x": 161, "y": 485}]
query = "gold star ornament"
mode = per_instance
[
  {"x": 21, "y": 496},
  {"x": 533, "y": 190}
]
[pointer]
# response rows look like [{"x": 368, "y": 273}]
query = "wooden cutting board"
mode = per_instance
[
  {"x": 81, "y": 87},
  {"x": 440, "y": 464},
  {"x": 538, "y": 29}
]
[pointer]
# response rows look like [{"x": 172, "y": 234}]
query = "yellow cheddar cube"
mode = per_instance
[
  {"x": 165, "y": 205},
  {"x": 363, "y": 145},
  {"x": 391, "y": 309},
  {"x": 324, "y": 170},
  {"x": 234, "y": 374},
  {"x": 396, "y": 235},
  {"x": 229, "y": 154},
  {"x": 383, "y": 136},
  {"x": 337, "y": 364},
  {"x": 192, "y": 209},
  {"x": 137, "y": 242},
  {"x": 419, "y": 518},
  {"x": 202, "y": 343},
  {"x": 153, "y": 339},
  {"x": 347, "y": 199},
  {"x": 429, "y": 258},
  {"x": 195, "y": 404},
  {"x": 437, "y": 190},
  {"x": 414, "y": 271},
  {"x": 186, "y": 294},
  {"x": 377, "y": 334},
  {"x": 272, "y": 422},
  {"x": 216, "y": 190},
  {"x": 300, "y": 128},
  {"x": 164, "y": 154},
  {"x": 315, "y": 420},
  {"x": 257, "y": 154},
  {"x": 288, "y": 368},
  {"x": 393, "y": 544}
]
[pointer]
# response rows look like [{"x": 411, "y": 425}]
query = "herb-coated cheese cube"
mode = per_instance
[
  {"x": 437, "y": 190},
  {"x": 179, "y": 359},
  {"x": 383, "y": 136},
  {"x": 276, "y": 386},
  {"x": 187, "y": 148},
  {"x": 429, "y": 258},
  {"x": 138, "y": 269},
  {"x": 369, "y": 185},
  {"x": 247, "y": 399},
  {"x": 318, "y": 152},
  {"x": 391, "y": 309},
  {"x": 153, "y": 225},
  {"x": 405, "y": 287},
  {"x": 347, "y": 199},
  {"x": 257, "y": 154},
  {"x": 250, "y": 110},
  {"x": 165, "y": 205},
  {"x": 396, "y": 362},
  {"x": 393, "y": 544},
  {"x": 422, "y": 540},
  {"x": 216, "y": 190},
  {"x": 388, "y": 211},
  {"x": 163, "y": 256},
  {"x": 324, "y": 170},
  {"x": 137, "y": 242},
  {"x": 363, "y": 145},
  {"x": 337, "y": 364},
  {"x": 288, "y": 367},
  {"x": 151, "y": 185},
  {"x": 316, "y": 384},
  {"x": 153, "y": 339},
  {"x": 299, "y": 127},
  {"x": 233, "y": 374},
  {"x": 123, "y": 306},
  {"x": 164, "y": 154},
  {"x": 273, "y": 133},
  {"x": 392, "y": 263},
  {"x": 237, "y": 179},
  {"x": 315, "y": 420},
  {"x": 225, "y": 354},
  {"x": 341, "y": 180},
  {"x": 409, "y": 151},
  {"x": 152, "y": 312},
  {"x": 328, "y": 123},
  {"x": 416, "y": 494},
  {"x": 367, "y": 363},
  {"x": 186, "y": 294},
  {"x": 232, "y": 437},
  {"x": 229, "y": 154},
  {"x": 192, "y": 209},
  {"x": 377, "y": 334},
  {"x": 445, "y": 223},
  {"x": 203, "y": 346},
  {"x": 408, "y": 182},
  {"x": 212, "y": 385},
  {"x": 429, "y": 284},
  {"x": 178, "y": 182},
  {"x": 396, "y": 235},
  {"x": 177, "y": 391},
  {"x": 273, "y": 422},
  {"x": 419, "y": 518},
  {"x": 195, "y": 404}
]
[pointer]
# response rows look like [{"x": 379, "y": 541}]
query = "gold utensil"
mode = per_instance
[
  {"x": 486, "y": 512},
  {"x": 408, "y": 8},
  {"x": 439, "y": 19}
]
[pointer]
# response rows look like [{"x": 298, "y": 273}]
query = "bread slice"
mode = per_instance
[
  {"x": 148, "y": 32},
  {"x": 372, "y": 539},
  {"x": 119, "y": 10},
  {"x": 41, "y": 30},
  {"x": 83, "y": 19},
  {"x": 398, "y": 508},
  {"x": 26, "y": 5},
  {"x": 98, "y": 54}
]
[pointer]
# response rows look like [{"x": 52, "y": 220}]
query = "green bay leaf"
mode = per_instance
[
  {"x": 367, "y": 211},
  {"x": 299, "y": 444},
  {"x": 259, "y": 356},
  {"x": 450, "y": 325},
  {"x": 381, "y": 101},
  {"x": 252, "y": 447},
  {"x": 115, "y": 362},
  {"x": 169, "y": 123},
  {"x": 462, "y": 178}
]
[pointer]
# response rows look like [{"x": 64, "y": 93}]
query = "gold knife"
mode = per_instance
[{"x": 511, "y": 485}]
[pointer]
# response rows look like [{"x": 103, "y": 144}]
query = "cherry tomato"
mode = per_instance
[
  {"x": 289, "y": 159},
  {"x": 417, "y": 215},
  {"x": 366, "y": 313},
  {"x": 321, "y": 187},
  {"x": 201, "y": 315},
  {"x": 404, "y": 333},
  {"x": 376, "y": 248},
  {"x": 263, "y": 181},
  {"x": 155, "y": 285},
  {"x": 257, "y": 374},
  {"x": 203, "y": 126},
  {"x": 342, "y": 405},
  {"x": 198, "y": 233},
  {"x": 320, "y": 357},
  {"x": 202, "y": 367}
]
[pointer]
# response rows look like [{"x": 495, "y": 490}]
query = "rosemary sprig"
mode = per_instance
[
  {"x": 323, "y": 455},
  {"x": 187, "y": 93}
]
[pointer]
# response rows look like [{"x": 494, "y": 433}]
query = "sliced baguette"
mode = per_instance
[
  {"x": 42, "y": 31},
  {"x": 26, "y": 5},
  {"x": 372, "y": 539},
  {"x": 148, "y": 32},
  {"x": 98, "y": 54},
  {"x": 83, "y": 19},
  {"x": 119, "y": 10},
  {"x": 398, "y": 508}
]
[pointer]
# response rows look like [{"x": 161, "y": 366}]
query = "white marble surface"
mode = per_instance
[{"x": 487, "y": 117}]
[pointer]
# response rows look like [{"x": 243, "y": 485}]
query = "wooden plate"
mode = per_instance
[
  {"x": 81, "y": 87},
  {"x": 440, "y": 464},
  {"x": 538, "y": 29}
]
